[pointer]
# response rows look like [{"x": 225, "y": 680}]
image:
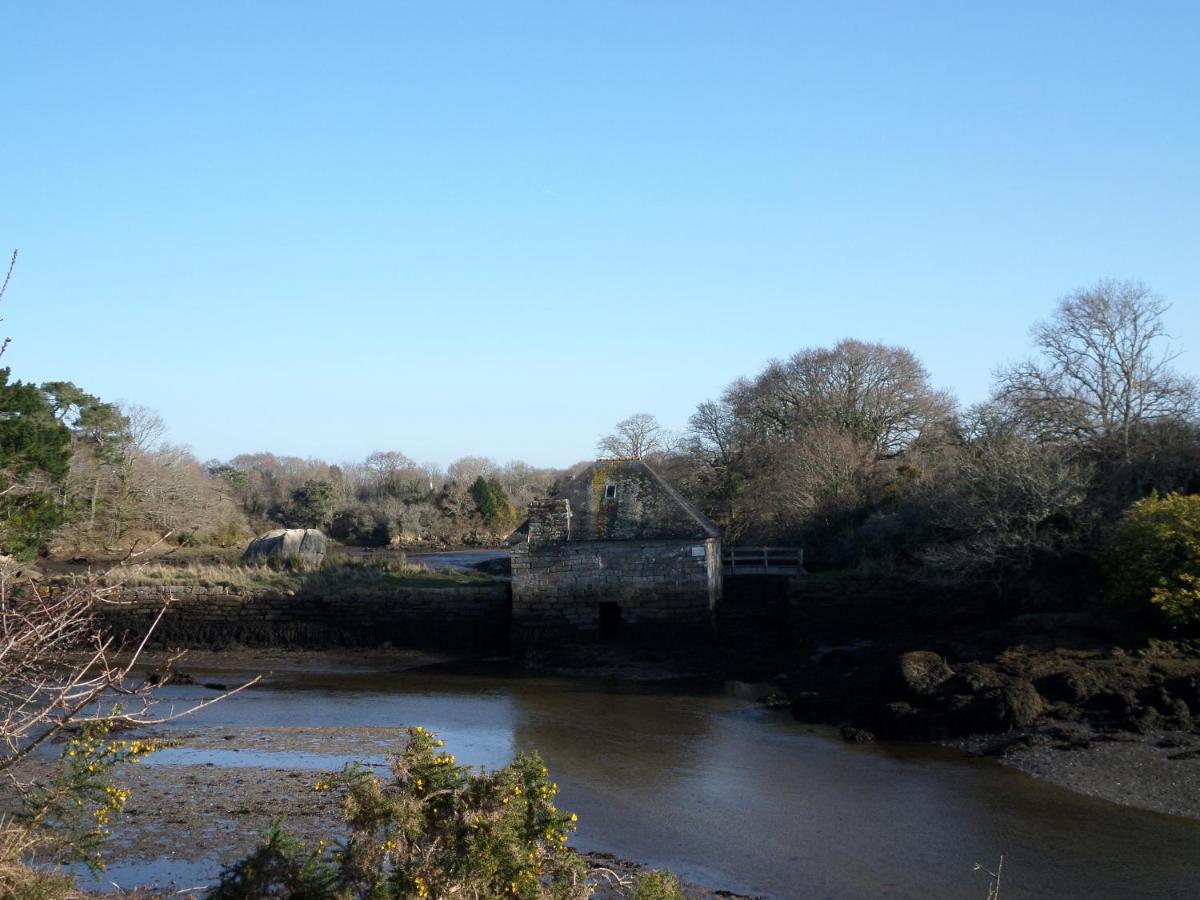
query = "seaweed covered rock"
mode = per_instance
[
  {"x": 1067, "y": 686},
  {"x": 1015, "y": 704},
  {"x": 301, "y": 547},
  {"x": 919, "y": 673}
]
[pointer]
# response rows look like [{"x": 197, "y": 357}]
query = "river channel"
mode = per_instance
[{"x": 701, "y": 780}]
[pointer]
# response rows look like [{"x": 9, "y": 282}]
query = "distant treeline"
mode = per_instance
[{"x": 847, "y": 450}]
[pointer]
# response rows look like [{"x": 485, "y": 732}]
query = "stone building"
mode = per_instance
[{"x": 617, "y": 552}]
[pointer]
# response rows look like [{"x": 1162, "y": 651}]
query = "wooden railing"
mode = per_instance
[{"x": 762, "y": 560}]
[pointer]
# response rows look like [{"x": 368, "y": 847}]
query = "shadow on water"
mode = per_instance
[{"x": 726, "y": 793}]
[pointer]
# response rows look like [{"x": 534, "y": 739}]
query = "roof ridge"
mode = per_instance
[{"x": 687, "y": 505}]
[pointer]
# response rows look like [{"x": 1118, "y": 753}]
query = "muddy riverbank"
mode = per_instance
[
  {"x": 670, "y": 773},
  {"x": 1156, "y": 770},
  {"x": 185, "y": 822},
  {"x": 1108, "y": 723}
]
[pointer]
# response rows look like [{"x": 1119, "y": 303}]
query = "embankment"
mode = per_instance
[{"x": 473, "y": 617}]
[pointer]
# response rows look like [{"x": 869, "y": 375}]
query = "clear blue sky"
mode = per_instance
[{"x": 498, "y": 228}]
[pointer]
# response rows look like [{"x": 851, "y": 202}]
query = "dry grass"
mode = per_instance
[
  {"x": 334, "y": 573},
  {"x": 19, "y": 880},
  {"x": 204, "y": 574}
]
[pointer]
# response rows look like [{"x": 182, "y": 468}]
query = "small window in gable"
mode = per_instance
[{"x": 610, "y": 492}]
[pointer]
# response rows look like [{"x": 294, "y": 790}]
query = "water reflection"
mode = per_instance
[{"x": 745, "y": 798}]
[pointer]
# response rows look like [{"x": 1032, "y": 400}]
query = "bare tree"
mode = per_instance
[
  {"x": 876, "y": 393},
  {"x": 466, "y": 469},
  {"x": 820, "y": 469},
  {"x": 1003, "y": 502},
  {"x": 1104, "y": 369},
  {"x": 389, "y": 464},
  {"x": 635, "y": 437}
]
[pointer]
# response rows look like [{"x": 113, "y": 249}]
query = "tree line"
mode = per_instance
[
  {"x": 87, "y": 474},
  {"x": 848, "y": 450},
  {"x": 852, "y": 452}
]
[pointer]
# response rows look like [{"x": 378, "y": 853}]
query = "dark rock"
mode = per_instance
[
  {"x": 852, "y": 735},
  {"x": 1113, "y": 703},
  {"x": 1144, "y": 721},
  {"x": 919, "y": 673},
  {"x": 1013, "y": 705},
  {"x": 773, "y": 701},
  {"x": 161, "y": 677},
  {"x": 901, "y": 720},
  {"x": 1178, "y": 712},
  {"x": 809, "y": 706},
  {"x": 1070, "y": 686},
  {"x": 973, "y": 678},
  {"x": 1158, "y": 697},
  {"x": 1187, "y": 689}
]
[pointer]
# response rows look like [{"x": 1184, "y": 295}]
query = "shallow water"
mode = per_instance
[{"x": 734, "y": 796}]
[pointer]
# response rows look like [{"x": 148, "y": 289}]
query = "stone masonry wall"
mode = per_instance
[
  {"x": 660, "y": 586},
  {"x": 474, "y": 617}
]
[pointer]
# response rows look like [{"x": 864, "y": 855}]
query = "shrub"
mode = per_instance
[
  {"x": 493, "y": 504},
  {"x": 657, "y": 885},
  {"x": 311, "y": 506},
  {"x": 67, "y": 817},
  {"x": 73, "y": 809},
  {"x": 1153, "y": 559},
  {"x": 435, "y": 829},
  {"x": 231, "y": 534}
]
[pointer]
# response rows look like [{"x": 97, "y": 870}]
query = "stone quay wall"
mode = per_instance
[
  {"x": 661, "y": 587},
  {"x": 462, "y": 617}
]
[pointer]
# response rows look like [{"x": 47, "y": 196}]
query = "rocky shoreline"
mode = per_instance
[
  {"x": 1102, "y": 721},
  {"x": 1105, "y": 722},
  {"x": 1120, "y": 725}
]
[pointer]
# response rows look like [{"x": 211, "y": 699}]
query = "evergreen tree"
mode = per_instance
[
  {"x": 35, "y": 457},
  {"x": 311, "y": 506},
  {"x": 493, "y": 504}
]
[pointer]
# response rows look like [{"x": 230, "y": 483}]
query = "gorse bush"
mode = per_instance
[
  {"x": 67, "y": 817},
  {"x": 1153, "y": 559},
  {"x": 73, "y": 809},
  {"x": 657, "y": 885},
  {"x": 434, "y": 829}
]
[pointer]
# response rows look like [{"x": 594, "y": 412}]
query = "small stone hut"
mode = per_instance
[{"x": 617, "y": 552}]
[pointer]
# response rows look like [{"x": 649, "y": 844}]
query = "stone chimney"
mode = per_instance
[{"x": 549, "y": 521}]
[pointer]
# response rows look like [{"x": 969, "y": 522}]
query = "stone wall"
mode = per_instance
[
  {"x": 470, "y": 617},
  {"x": 549, "y": 521},
  {"x": 660, "y": 587}
]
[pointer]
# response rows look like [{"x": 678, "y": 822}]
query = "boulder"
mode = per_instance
[
  {"x": 1114, "y": 704},
  {"x": 1015, "y": 704},
  {"x": 1187, "y": 689},
  {"x": 1070, "y": 686},
  {"x": 305, "y": 547},
  {"x": 810, "y": 706},
  {"x": 901, "y": 721},
  {"x": 852, "y": 735},
  {"x": 919, "y": 673}
]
